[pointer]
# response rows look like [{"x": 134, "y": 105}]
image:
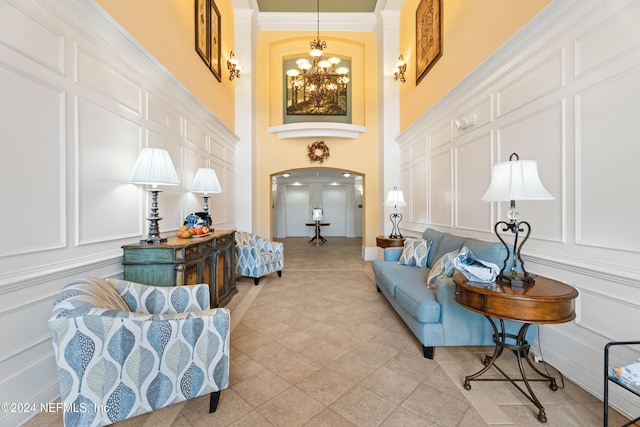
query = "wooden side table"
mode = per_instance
[
  {"x": 209, "y": 259},
  {"x": 546, "y": 302},
  {"x": 387, "y": 242}
]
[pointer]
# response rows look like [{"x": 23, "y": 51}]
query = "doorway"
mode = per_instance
[{"x": 296, "y": 193}]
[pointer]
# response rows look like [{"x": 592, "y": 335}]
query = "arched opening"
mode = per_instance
[{"x": 296, "y": 193}]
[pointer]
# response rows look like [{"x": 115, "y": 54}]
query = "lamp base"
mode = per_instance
[
  {"x": 153, "y": 240},
  {"x": 395, "y": 217},
  {"x": 514, "y": 279}
]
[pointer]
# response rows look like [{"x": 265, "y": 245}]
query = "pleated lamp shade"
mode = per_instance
[
  {"x": 206, "y": 181},
  {"x": 154, "y": 167}
]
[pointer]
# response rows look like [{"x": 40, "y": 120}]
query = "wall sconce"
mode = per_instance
[
  {"x": 233, "y": 66},
  {"x": 399, "y": 69}
]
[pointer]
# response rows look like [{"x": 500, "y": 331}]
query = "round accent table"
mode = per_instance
[
  {"x": 545, "y": 302},
  {"x": 388, "y": 242}
]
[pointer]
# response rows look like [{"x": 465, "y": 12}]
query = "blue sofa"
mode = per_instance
[{"x": 432, "y": 314}]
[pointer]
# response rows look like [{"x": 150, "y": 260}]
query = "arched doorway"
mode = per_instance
[{"x": 295, "y": 193}]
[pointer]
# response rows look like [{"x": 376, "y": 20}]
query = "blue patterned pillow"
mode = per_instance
[
  {"x": 415, "y": 253},
  {"x": 442, "y": 268}
]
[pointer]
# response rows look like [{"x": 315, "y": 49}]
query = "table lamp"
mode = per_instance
[
  {"x": 154, "y": 167},
  {"x": 510, "y": 181},
  {"x": 206, "y": 182},
  {"x": 395, "y": 198}
]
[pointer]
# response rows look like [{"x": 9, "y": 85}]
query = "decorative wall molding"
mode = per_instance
[
  {"x": 553, "y": 94},
  {"x": 317, "y": 130},
  {"x": 98, "y": 97}
]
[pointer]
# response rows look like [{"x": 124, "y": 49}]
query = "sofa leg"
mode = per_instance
[
  {"x": 280, "y": 273},
  {"x": 256, "y": 280},
  {"x": 428, "y": 352},
  {"x": 213, "y": 402}
]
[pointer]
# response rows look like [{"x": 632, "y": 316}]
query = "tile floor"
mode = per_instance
[{"x": 320, "y": 347}]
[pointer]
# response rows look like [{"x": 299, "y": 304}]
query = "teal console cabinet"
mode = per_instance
[{"x": 210, "y": 259}]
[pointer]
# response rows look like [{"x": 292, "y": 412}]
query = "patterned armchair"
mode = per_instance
[
  {"x": 124, "y": 348},
  {"x": 256, "y": 257}
]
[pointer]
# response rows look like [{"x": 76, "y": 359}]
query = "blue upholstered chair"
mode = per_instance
[
  {"x": 124, "y": 349},
  {"x": 256, "y": 257}
]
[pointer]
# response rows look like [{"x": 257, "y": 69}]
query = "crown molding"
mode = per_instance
[{"x": 343, "y": 22}]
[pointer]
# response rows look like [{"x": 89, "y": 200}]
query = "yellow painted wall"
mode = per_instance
[
  {"x": 472, "y": 31},
  {"x": 166, "y": 28},
  {"x": 273, "y": 155}
]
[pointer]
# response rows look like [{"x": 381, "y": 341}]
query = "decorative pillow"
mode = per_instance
[
  {"x": 442, "y": 268},
  {"x": 415, "y": 253}
]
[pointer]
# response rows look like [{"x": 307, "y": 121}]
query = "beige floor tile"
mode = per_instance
[
  {"x": 328, "y": 418},
  {"x": 362, "y": 407},
  {"x": 322, "y": 348},
  {"x": 390, "y": 385},
  {"x": 261, "y": 387},
  {"x": 353, "y": 367},
  {"x": 325, "y": 386},
  {"x": 252, "y": 419},
  {"x": 439, "y": 407},
  {"x": 403, "y": 417},
  {"x": 290, "y": 408},
  {"x": 296, "y": 368}
]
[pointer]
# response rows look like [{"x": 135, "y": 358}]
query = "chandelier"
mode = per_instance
[{"x": 318, "y": 86}]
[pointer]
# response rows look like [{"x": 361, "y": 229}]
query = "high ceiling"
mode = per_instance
[{"x": 329, "y": 6}]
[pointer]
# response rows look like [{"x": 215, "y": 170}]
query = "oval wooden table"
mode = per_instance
[{"x": 545, "y": 302}]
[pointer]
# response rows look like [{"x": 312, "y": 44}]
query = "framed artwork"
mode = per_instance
[
  {"x": 428, "y": 36},
  {"x": 203, "y": 46},
  {"x": 214, "y": 36}
]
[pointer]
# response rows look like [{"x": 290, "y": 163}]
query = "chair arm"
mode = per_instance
[
  {"x": 160, "y": 299},
  {"x": 102, "y": 355},
  {"x": 273, "y": 247}
]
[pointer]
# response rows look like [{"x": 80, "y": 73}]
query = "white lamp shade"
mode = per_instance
[
  {"x": 516, "y": 180},
  {"x": 395, "y": 198},
  {"x": 206, "y": 181},
  {"x": 154, "y": 167}
]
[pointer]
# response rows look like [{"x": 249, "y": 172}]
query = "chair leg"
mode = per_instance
[
  {"x": 213, "y": 402},
  {"x": 256, "y": 280},
  {"x": 280, "y": 273}
]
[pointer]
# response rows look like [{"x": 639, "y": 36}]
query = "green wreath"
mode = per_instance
[{"x": 318, "y": 152}]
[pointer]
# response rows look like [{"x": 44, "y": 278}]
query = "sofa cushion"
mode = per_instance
[
  {"x": 434, "y": 236},
  {"x": 419, "y": 301},
  {"x": 389, "y": 274},
  {"x": 487, "y": 251},
  {"x": 443, "y": 267},
  {"x": 448, "y": 243},
  {"x": 415, "y": 253}
]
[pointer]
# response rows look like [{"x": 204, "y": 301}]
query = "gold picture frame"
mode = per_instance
[
  {"x": 202, "y": 25},
  {"x": 215, "y": 41},
  {"x": 428, "y": 36}
]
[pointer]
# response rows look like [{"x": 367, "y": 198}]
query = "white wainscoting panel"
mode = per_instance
[
  {"x": 81, "y": 99},
  {"x": 566, "y": 90},
  {"x": 97, "y": 75},
  {"x": 104, "y": 139},
  {"x": 473, "y": 174},
  {"x": 38, "y": 150},
  {"x": 606, "y": 184},
  {"x": 441, "y": 189}
]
